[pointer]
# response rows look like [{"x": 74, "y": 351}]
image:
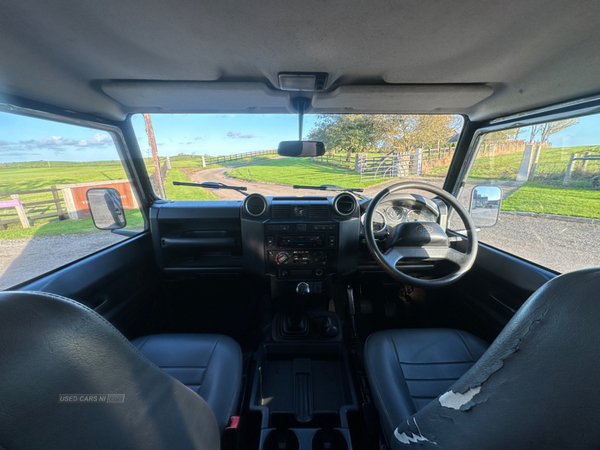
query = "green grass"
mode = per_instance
[
  {"x": 17, "y": 177},
  {"x": 301, "y": 171},
  {"x": 187, "y": 162},
  {"x": 135, "y": 221},
  {"x": 552, "y": 162},
  {"x": 27, "y": 179},
  {"x": 184, "y": 192},
  {"x": 536, "y": 197}
]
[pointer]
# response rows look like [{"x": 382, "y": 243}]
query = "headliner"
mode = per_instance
[{"x": 481, "y": 58}]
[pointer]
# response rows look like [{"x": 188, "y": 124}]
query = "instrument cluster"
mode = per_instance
[{"x": 393, "y": 212}]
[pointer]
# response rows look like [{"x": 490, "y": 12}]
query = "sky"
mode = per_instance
[{"x": 31, "y": 139}]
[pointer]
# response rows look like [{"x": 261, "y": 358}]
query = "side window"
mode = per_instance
[
  {"x": 46, "y": 168},
  {"x": 550, "y": 179}
]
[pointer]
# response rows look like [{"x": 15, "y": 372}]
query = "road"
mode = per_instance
[{"x": 560, "y": 245}]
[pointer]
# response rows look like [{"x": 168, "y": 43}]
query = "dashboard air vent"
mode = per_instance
[
  {"x": 319, "y": 211},
  {"x": 282, "y": 211},
  {"x": 344, "y": 204},
  {"x": 255, "y": 204}
]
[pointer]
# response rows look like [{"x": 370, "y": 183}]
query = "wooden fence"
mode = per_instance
[
  {"x": 340, "y": 160},
  {"x": 585, "y": 158},
  {"x": 20, "y": 211},
  {"x": 210, "y": 160}
]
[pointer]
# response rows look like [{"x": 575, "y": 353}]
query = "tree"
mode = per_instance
[
  {"x": 534, "y": 131},
  {"x": 550, "y": 128},
  {"x": 409, "y": 131},
  {"x": 358, "y": 133},
  {"x": 354, "y": 133}
]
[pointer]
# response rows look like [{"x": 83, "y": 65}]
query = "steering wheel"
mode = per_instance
[{"x": 418, "y": 241}]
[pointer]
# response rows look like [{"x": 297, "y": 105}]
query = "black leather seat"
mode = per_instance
[
  {"x": 408, "y": 368},
  {"x": 535, "y": 387},
  {"x": 69, "y": 379},
  {"x": 209, "y": 364}
]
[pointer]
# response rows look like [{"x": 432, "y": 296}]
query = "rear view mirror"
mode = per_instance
[
  {"x": 485, "y": 205},
  {"x": 301, "y": 149},
  {"x": 106, "y": 208}
]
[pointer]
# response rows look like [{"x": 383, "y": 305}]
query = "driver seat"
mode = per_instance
[{"x": 536, "y": 386}]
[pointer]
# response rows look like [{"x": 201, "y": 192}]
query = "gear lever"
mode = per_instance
[{"x": 295, "y": 319}]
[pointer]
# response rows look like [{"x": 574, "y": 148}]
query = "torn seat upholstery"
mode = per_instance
[
  {"x": 536, "y": 386},
  {"x": 408, "y": 368}
]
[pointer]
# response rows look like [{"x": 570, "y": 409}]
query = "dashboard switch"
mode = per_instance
[{"x": 282, "y": 257}]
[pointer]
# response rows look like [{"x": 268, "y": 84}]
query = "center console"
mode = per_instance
[
  {"x": 304, "y": 394},
  {"x": 300, "y": 239},
  {"x": 301, "y": 249},
  {"x": 302, "y": 387}
]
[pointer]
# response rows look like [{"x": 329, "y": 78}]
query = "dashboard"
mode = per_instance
[
  {"x": 295, "y": 238},
  {"x": 285, "y": 239}
]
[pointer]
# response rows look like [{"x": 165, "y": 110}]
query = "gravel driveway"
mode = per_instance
[
  {"x": 22, "y": 259},
  {"x": 559, "y": 245}
]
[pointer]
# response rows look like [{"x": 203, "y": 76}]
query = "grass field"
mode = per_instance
[
  {"x": 551, "y": 165},
  {"x": 17, "y": 177},
  {"x": 135, "y": 221},
  {"x": 301, "y": 171},
  {"x": 184, "y": 192},
  {"x": 536, "y": 197},
  {"x": 34, "y": 176},
  {"x": 546, "y": 194},
  {"x": 185, "y": 162}
]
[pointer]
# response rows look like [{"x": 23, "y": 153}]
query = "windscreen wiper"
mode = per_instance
[
  {"x": 335, "y": 188},
  {"x": 213, "y": 185}
]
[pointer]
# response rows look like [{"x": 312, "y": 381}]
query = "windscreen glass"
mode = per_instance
[{"x": 362, "y": 151}]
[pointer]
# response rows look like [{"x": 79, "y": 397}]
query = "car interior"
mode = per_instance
[{"x": 300, "y": 322}]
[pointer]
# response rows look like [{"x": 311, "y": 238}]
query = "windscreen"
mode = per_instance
[{"x": 240, "y": 151}]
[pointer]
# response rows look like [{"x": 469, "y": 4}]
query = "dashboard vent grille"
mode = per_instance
[
  {"x": 255, "y": 204},
  {"x": 344, "y": 204},
  {"x": 282, "y": 211},
  {"x": 319, "y": 211}
]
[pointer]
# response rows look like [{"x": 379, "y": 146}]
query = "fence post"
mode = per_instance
[
  {"x": 395, "y": 165},
  {"x": 21, "y": 211},
  {"x": 584, "y": 165},
  {"x": 417, "y": 161},
  {"x": 59, "y": 210},
  {"x": 203, "y": 161},
  {"x": 567, "y": 178},
  {"x": 168, "y": 163}
]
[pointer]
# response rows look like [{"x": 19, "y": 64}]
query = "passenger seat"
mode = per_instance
[{"x": 209, "y": 364}]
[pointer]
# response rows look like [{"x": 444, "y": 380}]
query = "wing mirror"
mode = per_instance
[
  {"x": 303, "y": 149},
  {"x": 106, "y": 208},
  {"x": 485, "y": 205}
]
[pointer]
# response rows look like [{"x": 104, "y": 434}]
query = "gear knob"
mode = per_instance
[{"x": 303, "y": 288}]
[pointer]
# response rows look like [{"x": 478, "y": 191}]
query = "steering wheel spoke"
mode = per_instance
[
  {"x": 434, "y": 253},
  {"x": 393, "y": 255},
  {"x": 458, "y": 258}
]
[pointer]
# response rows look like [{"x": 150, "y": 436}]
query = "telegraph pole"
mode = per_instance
[{"x": 152, "y": 143}]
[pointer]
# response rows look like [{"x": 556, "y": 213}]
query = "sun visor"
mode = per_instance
[
  {"x": 414, "y": 98},
  {"x": 200, "y": 95}
]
